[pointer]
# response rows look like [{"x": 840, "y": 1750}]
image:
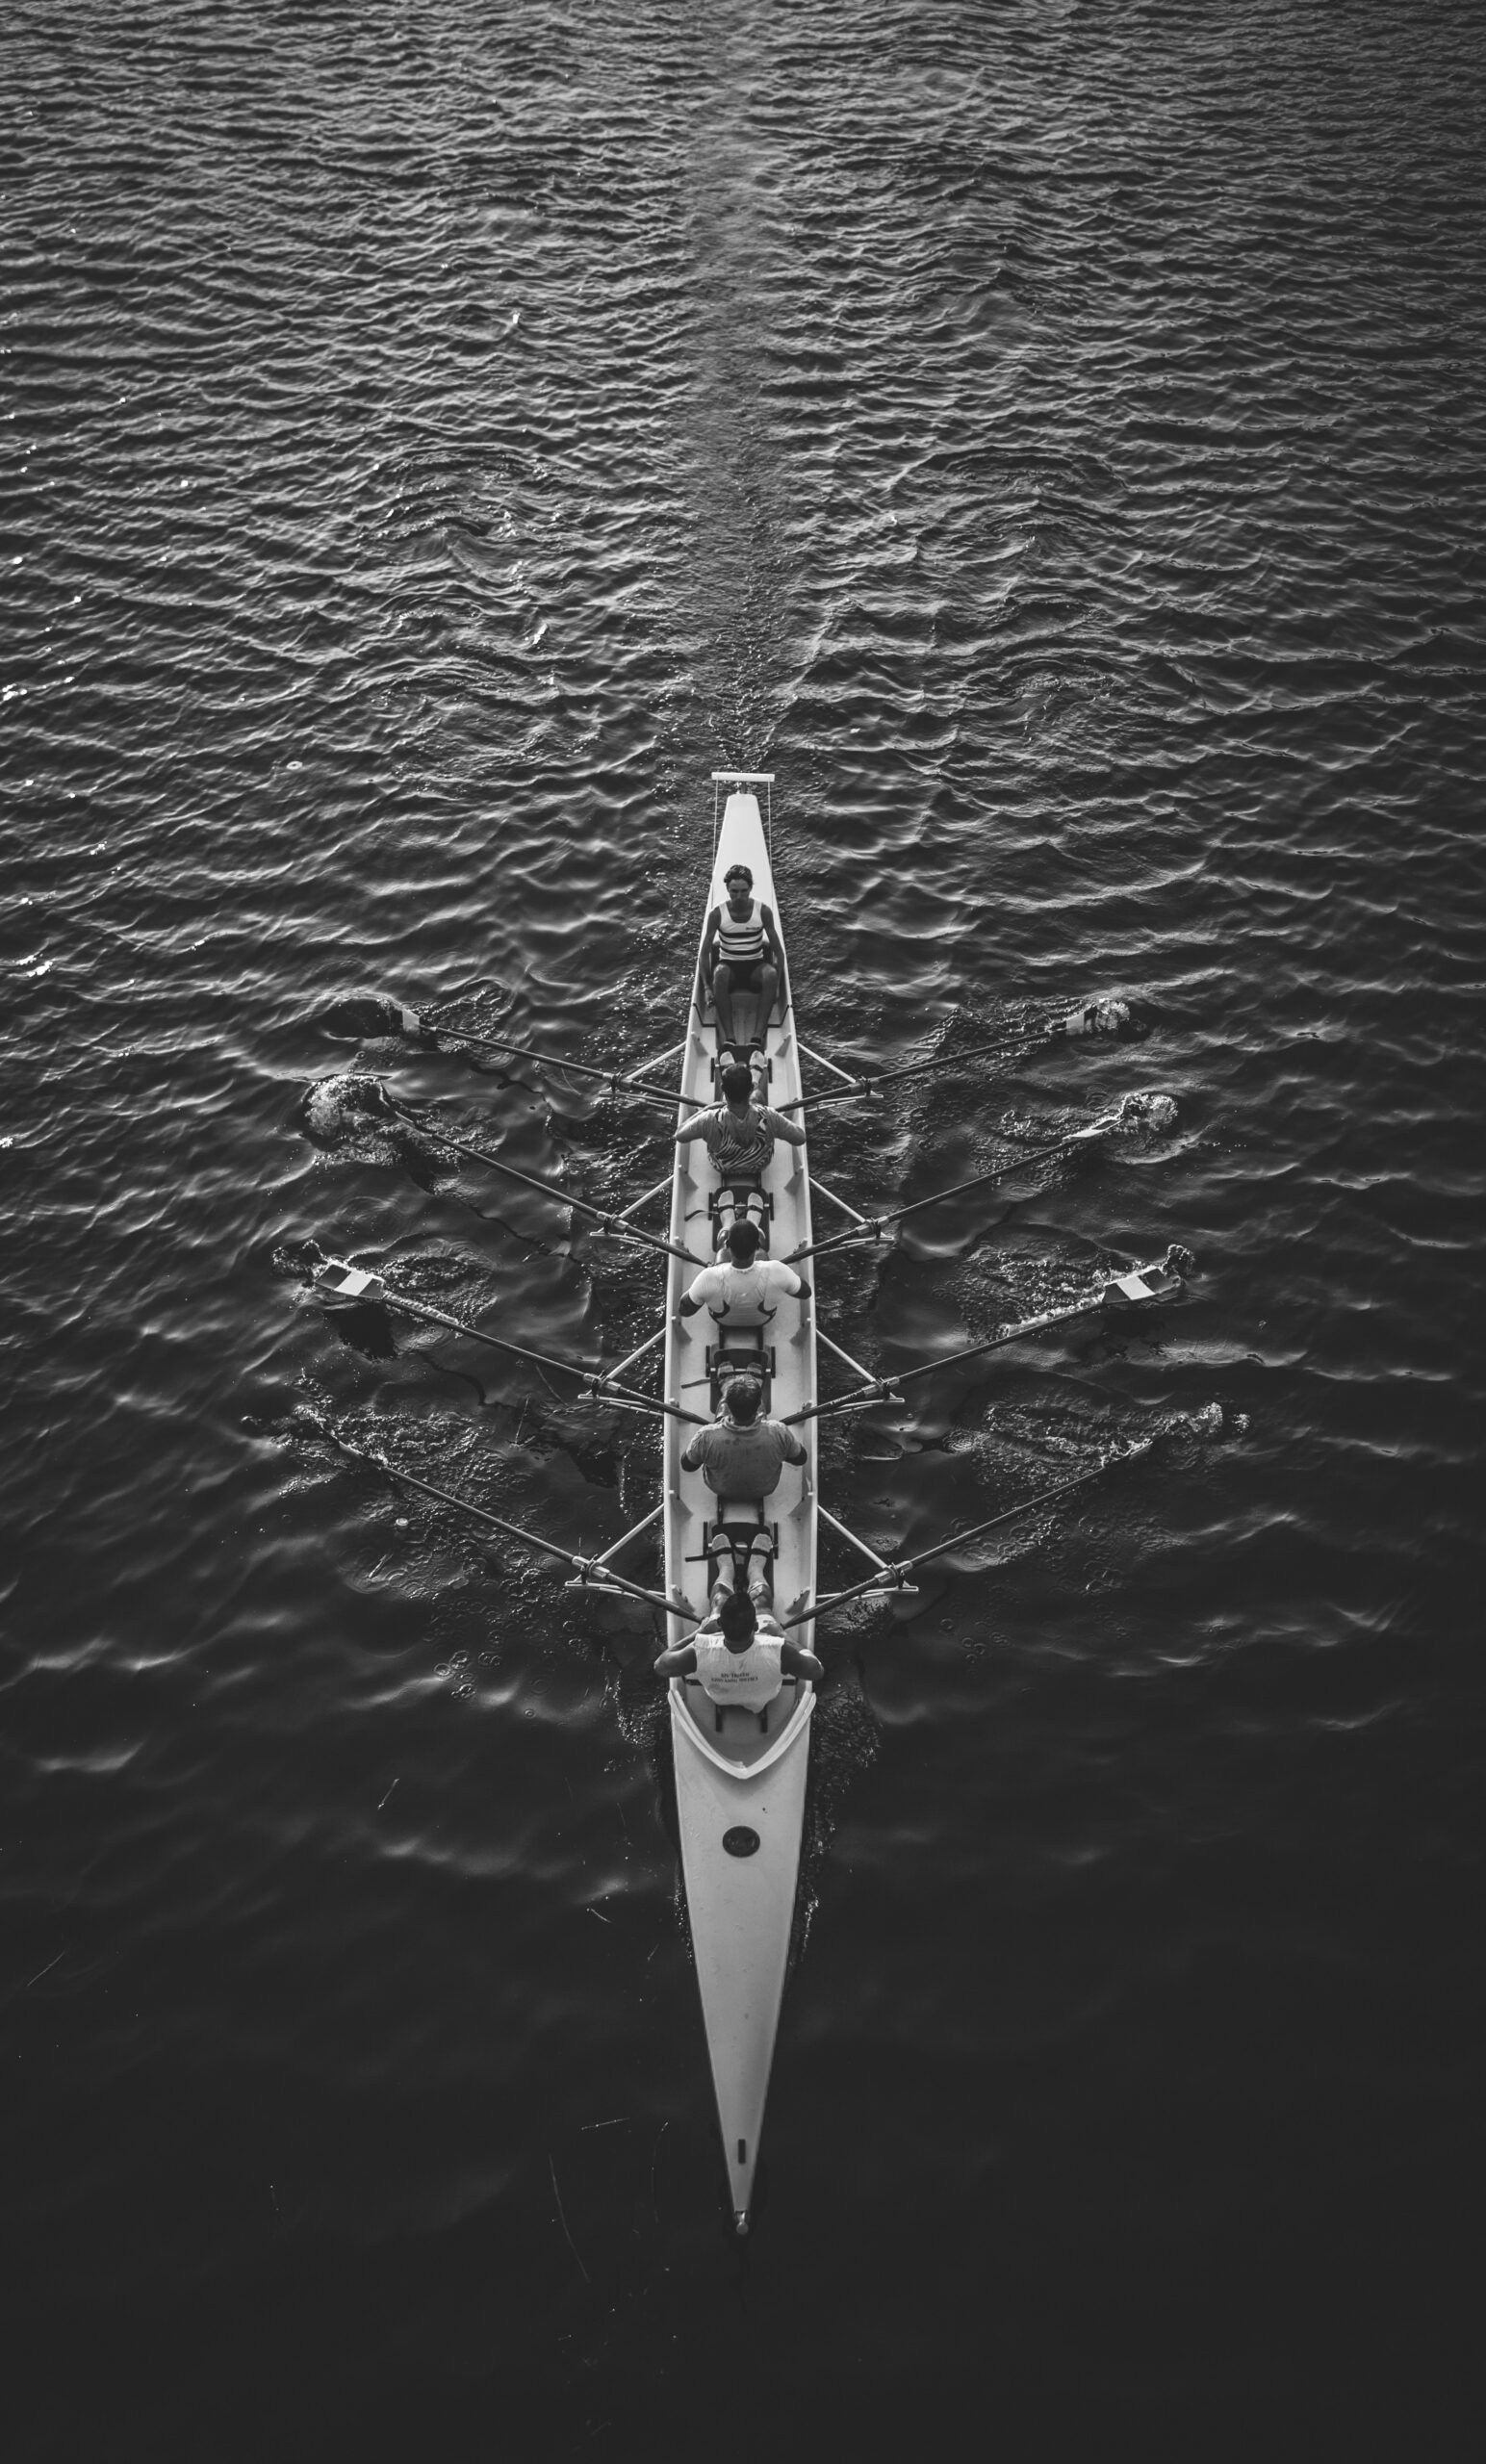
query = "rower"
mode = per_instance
[
  {"x": 741, "y": 952},
  {"x": 740, "y": 1136},
  {"x": 743, "y": 1288},
  {"x": 740, "y": 1455},
  {"x": 741, "y": 1655}
]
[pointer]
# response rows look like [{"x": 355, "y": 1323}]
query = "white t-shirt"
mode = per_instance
[
  {"x": 752, "y": 1678},
  {"x": 745, "y": 1296}
]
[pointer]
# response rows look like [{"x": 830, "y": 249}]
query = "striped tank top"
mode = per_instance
[
  {"x": 740, "y": 943},
  {"x": 743, "y": 1146}
]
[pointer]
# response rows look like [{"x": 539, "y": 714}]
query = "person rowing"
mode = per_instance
[
  {"x": 741, "y": 952},
  {"x": 740, "y": 1136},
  {"x": 743, "y": 1288},
  {"x": 740, "y": 1455},
  {"x": 741, "y": 1655}
]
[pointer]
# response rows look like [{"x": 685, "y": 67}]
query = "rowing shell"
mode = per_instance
[{"x": 739, "y": 1785}]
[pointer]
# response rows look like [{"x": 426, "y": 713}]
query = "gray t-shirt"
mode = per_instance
[{"x": 743, "y": 1462}]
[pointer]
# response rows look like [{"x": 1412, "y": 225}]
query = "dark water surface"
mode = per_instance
[{"x": 1051, "y": 437}]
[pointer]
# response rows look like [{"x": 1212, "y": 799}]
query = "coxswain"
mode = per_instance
[
  {"x": 741, "y": 952},
  {"x": 740, "y": 1136},
  {"x": 743, "y": 1288},
  {"x": 741, "y": 1655},
  {"x": 741, "y": 1455}
]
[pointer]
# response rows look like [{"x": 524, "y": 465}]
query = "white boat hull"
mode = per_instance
[
  {"x": 741, "y": 1910},
  {"x": 738, "y": 1778}
]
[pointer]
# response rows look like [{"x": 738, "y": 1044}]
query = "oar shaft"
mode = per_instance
[
  {"x": 550, "y": 1189},
  {"x": 898, "y": 1569},
  {"x": 978, "y": 1180},
  {"x": 599, "y": 1382},
  {"x": 1008, "y": 1335},
  {"x": 952, "y": 1060},
  {"x": 617, "y": 1085},
  {"x": 510, "y": 1531},
  {"x": 875, "y": 1389},
  {"x": 447, "y": 1496},
  {"x": 868, "y": 1083},
  {"x": 872, "y": 1228},
  {"x": 1010, "y": 1513},
  {"x": 425, "y": 1311},
  {"x": 1082, "y": 1021},
  {"x": 629, "y": 1362},
  {"x": 1107, "y": 1295}
]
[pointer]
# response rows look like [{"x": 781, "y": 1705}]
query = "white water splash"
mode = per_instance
[{"x": 1146, "y": 1115}]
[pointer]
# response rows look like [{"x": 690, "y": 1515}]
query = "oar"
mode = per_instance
[
  {"x": 582, "y": 1566},
  {"x": 613, "y": 1079},
  {"x": 1156, "y": 1282},
  {"x": 360, "y": 1289},
  {"x": 873, "y": 1226},
  {"x": 1104, "y": 1017},
  {"x": 613, "y": 1224},
  {"x": 374, "y": 1016},
  {"x": 897, "y": 1570}
]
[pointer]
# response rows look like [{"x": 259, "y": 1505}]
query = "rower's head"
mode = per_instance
[
  {"x": 738, "y": 1619},
  {"x": 738, "y": 882},
  {"x": 737, "y": 1082},
  {"x": 743, "y": 1397},
  {"x": 743, "y": 1239}
]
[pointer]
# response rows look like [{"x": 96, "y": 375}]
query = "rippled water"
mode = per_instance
[{"x": 1050, "y": 437}]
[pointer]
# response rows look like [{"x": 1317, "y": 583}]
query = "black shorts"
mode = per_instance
[{"x": 742, "y": 973}]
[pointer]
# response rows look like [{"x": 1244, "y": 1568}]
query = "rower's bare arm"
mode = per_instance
[
  {"x": 690, "y": 1129},
  {"x": 690, "y": 1307},
  {"x": 796, "y": 1661},
  {"x": 709, "y": 947},
  {"x": 792, "y": 1131},
  {"x": 766, "y": 920},
  {"x": 677, "y": 1662}
]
